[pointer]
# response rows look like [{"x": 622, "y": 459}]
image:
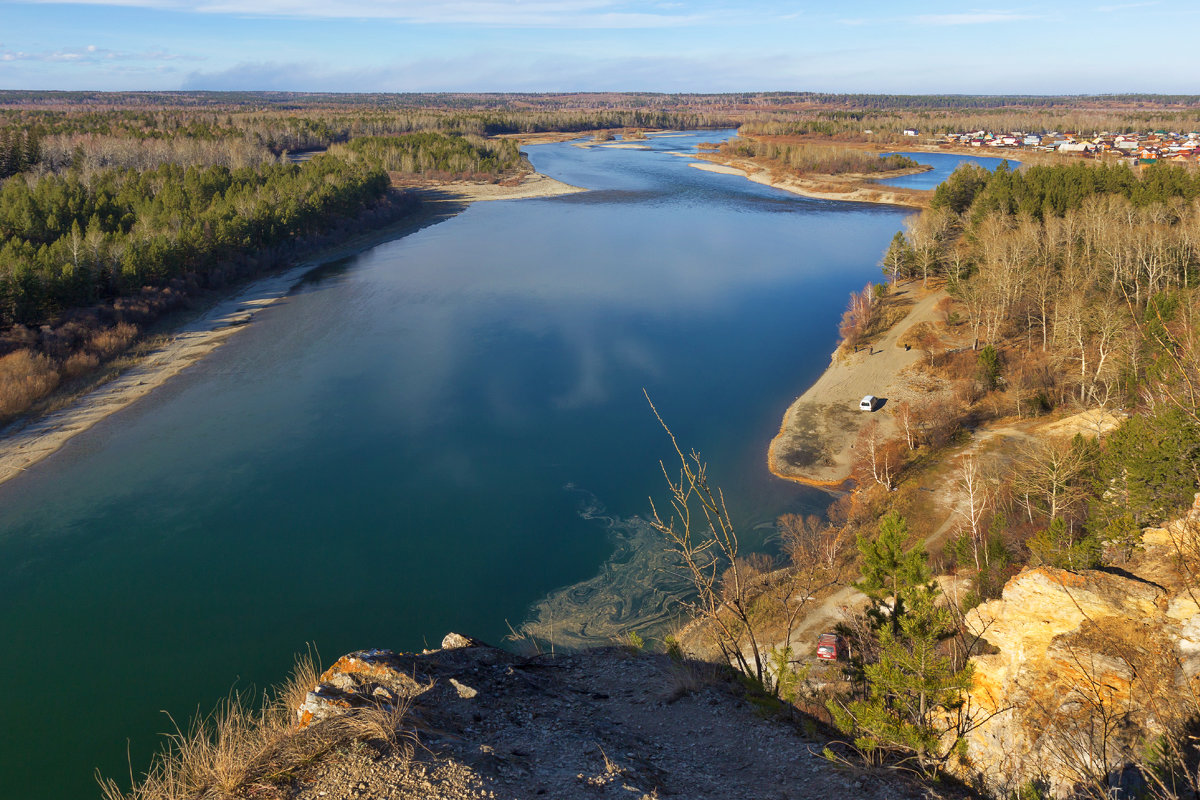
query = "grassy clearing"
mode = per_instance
[{"x": 243, "y": 749}]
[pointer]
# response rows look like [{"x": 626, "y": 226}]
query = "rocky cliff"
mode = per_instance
[{"x": 1086, "y": 669}]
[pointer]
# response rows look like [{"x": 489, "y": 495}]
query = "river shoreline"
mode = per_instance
[
  {"x": 815, "y": 443},
  {"x": 851, "y": 188},
  {"x": 27, "y": 442}
]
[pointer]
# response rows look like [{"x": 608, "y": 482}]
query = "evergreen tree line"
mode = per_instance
[
  {"x": 144, "y": 138},
  {"x": 71, "y": 240},
  {"x": 19, "y": 150},
  {"x": 435, "y": 153},
  {"x": 1041, "y": 191}
]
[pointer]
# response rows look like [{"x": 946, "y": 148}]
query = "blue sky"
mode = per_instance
[{"x": 593, "y": 45}]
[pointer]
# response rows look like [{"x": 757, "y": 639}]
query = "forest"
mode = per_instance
[
  {"x": 1076, "y": 286},
  {"x": 435, "y": 154}
]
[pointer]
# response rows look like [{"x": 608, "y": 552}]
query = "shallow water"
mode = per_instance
[
  {"x": 943, "y": 164},
  {"x": 435, "y": 435}
]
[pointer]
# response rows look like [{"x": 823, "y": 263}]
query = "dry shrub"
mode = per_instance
[
  {"x": 967, "y": 392},
  {"x": 939, "y": 421},
  {"x": 243, "y": 750},
  {"x": 25, "y": 377},
  {"x": 687, "y": 676},
  {"x": 79, "y": 363},
  {"x": 957, "y": 365},
  {"x": 148, "y": 304},
  {"x": 111, "y": 341},
  {"x": 886, "y": 316},
  {"x": 948, "y": 310},
  {"x": 1034, "y": 383},
  {"x": 921, "y": 336}
]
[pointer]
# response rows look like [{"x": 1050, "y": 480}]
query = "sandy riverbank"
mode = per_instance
[
  {"x": 851, "y": 187},
  {"x": 815, "y": 442},
  {"x": 533, "y": 185},
  {"x": 27, "y": 442}
]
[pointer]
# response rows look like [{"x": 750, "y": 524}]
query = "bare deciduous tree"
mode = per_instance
[
  {"x": 1049, "y": 471},
  {"x": 907, "y": 419},
  {"x": 702, "y": 536},
  {"x": 876, "y": 456},
  {"x": 977, "y": 498}
]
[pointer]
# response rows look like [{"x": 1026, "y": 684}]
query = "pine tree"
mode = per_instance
[
  {"x": 8, "y": 160},
  {"x": 1066, "y": 548},
  {"x": 890, "y": 574},
  {"x": 989, "y": 367},
  {"x": 915, "y": 696},
  {"x": 31, "y": 152},
  {"x": 914, "y": 701}
]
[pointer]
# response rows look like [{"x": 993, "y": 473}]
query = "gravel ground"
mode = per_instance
[{"x": 602, "y": 724}]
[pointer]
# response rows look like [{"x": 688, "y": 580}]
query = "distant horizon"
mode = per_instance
[
  {"x": 497, "y": 46},
  {"x": 1167, "y": 99}
]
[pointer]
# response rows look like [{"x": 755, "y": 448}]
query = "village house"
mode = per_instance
[{"x": 1143, "y": 148}]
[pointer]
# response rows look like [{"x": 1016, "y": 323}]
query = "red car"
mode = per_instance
[{"x": 832, "y": 647}]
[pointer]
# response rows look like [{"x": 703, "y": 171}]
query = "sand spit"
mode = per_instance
[
  {"x": 531, "y": 186},
  {"x": 708, "y": 166},
  {"x": 815, "y": 442},
  {"x": 626, "y": 146},
  {"x": 851, "y": 187},
  {"x": 28, "y": 441}
]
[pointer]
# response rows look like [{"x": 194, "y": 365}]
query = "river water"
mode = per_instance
[
  {"x": 438, "y": 434},
  {"x": 943, "y": 164}
]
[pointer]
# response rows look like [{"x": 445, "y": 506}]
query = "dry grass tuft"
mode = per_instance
[
  {"x": 110, "y": 341},
  {"x": 25, "y": 377},
  {"x": 244, "y": 750},
  {"x": 687, "y": 676},
  {"x": 80, "y": 364}
]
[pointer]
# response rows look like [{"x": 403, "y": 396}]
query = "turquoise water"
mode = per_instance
[
  {"x": 434, "y": 435},
  {"x": 943, "y": 164}
]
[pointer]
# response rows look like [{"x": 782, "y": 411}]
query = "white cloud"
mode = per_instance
[
  {"x": 1125, "y": 6},
  {"x": 494, "y": 71},
  {"x": 495, "y": 13},
  {"x": 91, "y": 54},
  {"x": 973, "y": 18}
]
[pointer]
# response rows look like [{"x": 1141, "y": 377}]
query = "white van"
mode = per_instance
[{"x": 868, "y": 403}]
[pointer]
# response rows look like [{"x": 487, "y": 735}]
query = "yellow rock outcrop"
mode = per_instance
[{"x": 1083, "y": 667}]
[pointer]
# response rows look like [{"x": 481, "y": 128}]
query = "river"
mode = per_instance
[
  {"x": 438, "y": 434},
  {"x": 943, "y": 164}
]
